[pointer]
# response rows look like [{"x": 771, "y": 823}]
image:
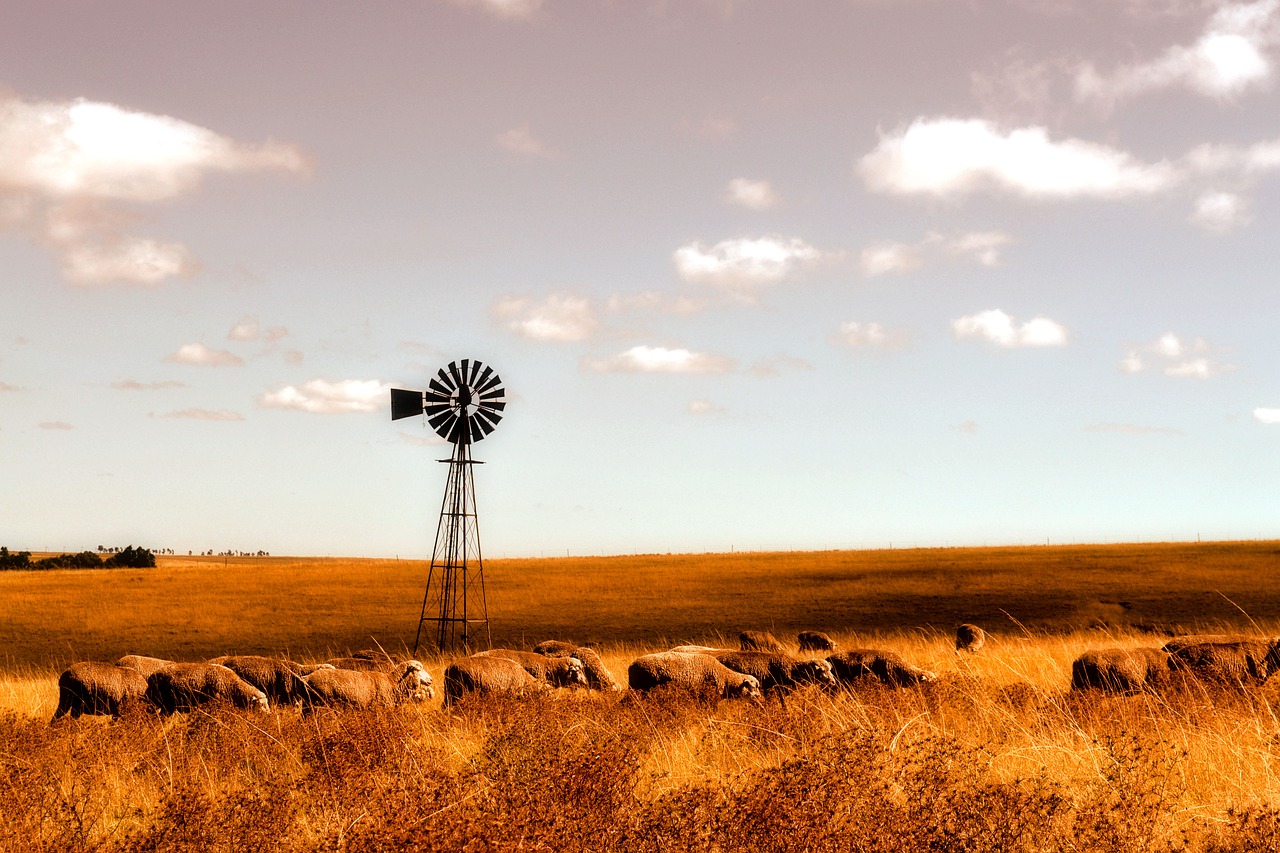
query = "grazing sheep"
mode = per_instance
[
  {"x": 143, "y": 664},
  {"x": 1237, "y": 662},
  {"x": 308, "y": 668},
  {"x": 598, "y": 675},
  {"x": 92, "y": 687},
  {"x": 558, "y": 672},
  {"x": 556, "y": 648},
  {"x": 1184, "y": 640},
  {"x": 815, "y": 641},
  {"x": 691, "y": 672},
  {"x": 969, "y": 638},
  {"x": 186, "y": 686},
  {"x": 484, "y": 674},
  {"x": 887, "y": 666},
  {"x": 280, "y": 679},
  {"x": 778, "y": 670},
  {"x": 760, "y": 641},
  {"x": 695, "y": 650},
  {"x": 365, "y": 689},
  {"x": 362, "y": 664},
  {"x": 1120, "y": 670}
]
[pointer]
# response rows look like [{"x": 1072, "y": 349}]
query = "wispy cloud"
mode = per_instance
[
  {"x": 203, "y": 415},
  {"x": 199, "y": 354},
  {"x": 1130, "y": 429},
  {"x": 520, "y": 140},
  {"x": 558, "y": 317},
  {"x": 1173, "y": 356},
  {"x": 158, "y": 385},
  {"x": 647, "y": 359},
  {"x": 858, "y": 335},
  {"x": 704, "y": 407},
  {"x": 751, "y": 194},
  {"x": 743, "y": 266},
  {"x": 1220, "y": 212},
  {"x": 1267, "y": 416},
  {"x": 67, "y": 167},
  {"x": 774, "y": 366},
  {"x": 953, "y": 157},
  {"x": 55, "y": 425},
  {"x": 507, "y": 10},
  {"x": 321, "y": 396},
  {"x": 1228, "y": 59},
  {"x": 1003, "y": 330},
  {"x": 427, "y": 439},
  {"x": 889, "y": 257},
  {"x": 5, "y": 386}
]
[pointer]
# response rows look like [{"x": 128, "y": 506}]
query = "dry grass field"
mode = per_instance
[{"x": 995, "y": 755}]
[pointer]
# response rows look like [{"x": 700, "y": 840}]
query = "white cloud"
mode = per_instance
[
  {"x": 857, "y": 335},
  {"x": 200, "y": 354},
  {"x": 64, "y": 165},
  {"x": 1176, "y": 357},
  {"x": 1001, "y": 329},
  {"x": 753, "y": 195},
  {"x": 509, "y": 10},
  {"x": 204, "y": 415},
  {"x": 647, "y": 359},
  {"x": 427, "y": 439},
  {"x": 134, "y": 385},
  {"x": 1267, "y": 416},
  {"x": 520, "y": 140},
  {"x": 704, "y": 407},
  {"x": 556, "y": 317},
  {"x": 886, "y": 256},
  {"x": 1220, "y": 212},
  {"x": 949, "y": 157},
  {"x": 245, "y": 329},
  {"x": 1228, "y": 59},
  {"x": 320, "y": 396},
  {"x": 741, "y": 266}
]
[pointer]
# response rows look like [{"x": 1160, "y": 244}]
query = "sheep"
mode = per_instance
[
  {"x": 362, "y": 664},
  {"x": 760, "y": 641},
  {"x": 1184, "y": 640},
  {"x": 778, "y": 670},
  {"x": 694, "y": 649},
  {"x": 186, "y": 686},
  {"x": 969, "y": 638},
  {"x": 93, "y": 687},
  {"x": 482, "y": 674},
  {"x": 690, "y": 672},
  {"x": 364, "y": 689},
  {"x": 1238, "y": 662},
  {"x": 887, "y": 666},
  {"x": 558, "y": 672},
  {"x": 143, "y": 664},
  {"x": 598, "y": 675},
  {"x": 1120, "y": 670},
  {"x": 280, "y": 679},
  {"x": 815, "y": 641}
]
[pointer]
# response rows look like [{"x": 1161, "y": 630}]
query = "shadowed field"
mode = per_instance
[{"x": 193, "y": 607}]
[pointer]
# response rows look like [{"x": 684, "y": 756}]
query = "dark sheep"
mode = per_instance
[
  {"x": 366, "y": 689},
  {"x": 887, "y": 666},
  {"x": 93, "y": 687},
  {"x": 598, "y": 675},
  {"x": 778, "y": 670},
  {"x": 1239, "y": 662},
  {"x": 183, "y": 687},
  {"x": 558, "y": 672},
  {"x": 143, "y": 664},
  {"x": 760, "y": 641},
  {"x": 969, "y": 638},
  {"x": 482, "y": 675},
  {"x": 1120, "y": 670},
  {"x": 815, "y": 641},
  {"x": 696, "y": 673},
  {"x": 280, "y": 679}
]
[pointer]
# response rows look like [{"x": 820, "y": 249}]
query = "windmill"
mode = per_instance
[{"x": 463, "y": 403}]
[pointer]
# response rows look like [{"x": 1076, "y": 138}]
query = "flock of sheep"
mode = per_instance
[{"x": 373, "y": 678}]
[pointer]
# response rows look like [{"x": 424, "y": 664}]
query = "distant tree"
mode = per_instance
[
  {"x": 132, "y": 558},
  {"x": 83, "y": 560},
  {"x": 20, "y": 560}
]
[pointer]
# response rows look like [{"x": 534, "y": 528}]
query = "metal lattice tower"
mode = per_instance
[{"x": 463, "y": 404}]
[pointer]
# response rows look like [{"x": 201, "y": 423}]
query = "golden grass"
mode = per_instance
[{"x": 996, "y": 755}]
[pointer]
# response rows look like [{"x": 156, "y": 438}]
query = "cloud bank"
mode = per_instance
[
  {"x": 322, "y": 397},
  {"x": 999, "y": 328}
]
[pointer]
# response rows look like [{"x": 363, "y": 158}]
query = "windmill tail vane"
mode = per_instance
[{"x": 463, "y": 403}]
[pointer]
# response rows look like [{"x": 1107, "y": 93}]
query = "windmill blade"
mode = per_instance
[
  {"x": 489, "y": 419},
  {"x": 447, "y": 381},
  {"x": 494, "y": 404},
  {"x": 457, "y": 377},
  {"x": 458, "y": 433},
  {"x": 477, "y": 421},
  {"x": 442, "y": 422},
  {"x": 435, "y": 389},
  {"x": 475, "y": 368},
  {"x": 483, "y": 377},
  {"x": 405, "y": 404},
  {"x": 439, "y": 409},
  {"x": 464, "y": 367},
  {"x": 495, "y": 394},
  {"x": 485, "y": 386},
  {"x": 491, "y": 412}
]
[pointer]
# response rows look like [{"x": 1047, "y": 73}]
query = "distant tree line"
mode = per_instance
[{"x": 125, "y": 558}]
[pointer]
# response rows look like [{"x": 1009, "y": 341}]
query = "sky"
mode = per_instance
[{"x": 757, "y": 275}]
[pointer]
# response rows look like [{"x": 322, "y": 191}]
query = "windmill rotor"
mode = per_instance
[{"x": 463, "y": 402}]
